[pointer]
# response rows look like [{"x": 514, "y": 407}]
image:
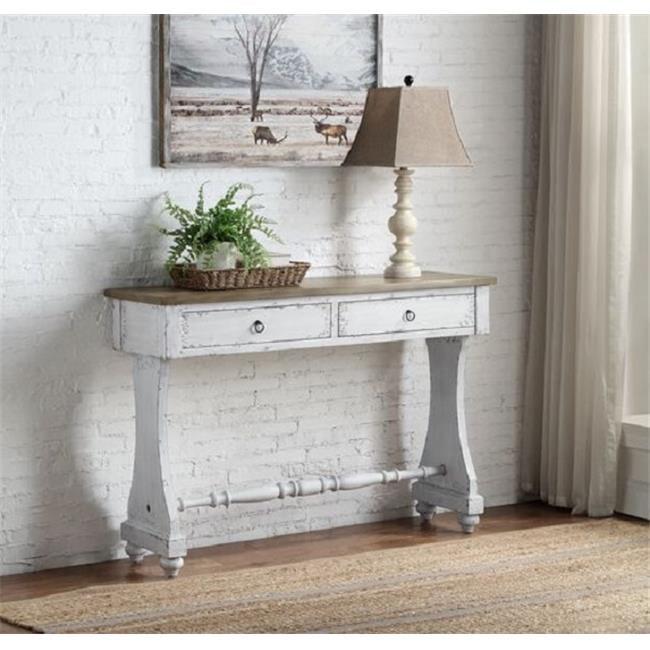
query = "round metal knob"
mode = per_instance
[
  {"x": 409, "y": 315},
  {"x": 258, "y": 327}
]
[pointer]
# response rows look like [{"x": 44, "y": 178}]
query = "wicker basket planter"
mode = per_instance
[{"x": 189, "y": 277}]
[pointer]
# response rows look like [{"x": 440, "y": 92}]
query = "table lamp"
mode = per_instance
[{"x": 404, "y": 127}]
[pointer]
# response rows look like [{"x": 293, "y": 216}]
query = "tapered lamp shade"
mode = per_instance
[{"x": 407, "y": 127}]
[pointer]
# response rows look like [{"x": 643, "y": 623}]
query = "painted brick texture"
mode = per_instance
[{"x": 80, "y": 194}]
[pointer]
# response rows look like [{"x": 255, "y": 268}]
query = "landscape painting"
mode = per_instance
[{"x": 264, "y": 89}]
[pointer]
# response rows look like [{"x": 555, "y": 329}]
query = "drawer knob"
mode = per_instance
[
  {"x": 258, "y": 327},
  {"x": 409, "y": 315}
]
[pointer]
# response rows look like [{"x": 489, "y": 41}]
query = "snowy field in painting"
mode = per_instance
[
  {"x": 319, "y": 66},
  {"x": 200, "y": 135}
]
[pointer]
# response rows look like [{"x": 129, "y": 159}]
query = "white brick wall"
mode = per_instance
[{"x": 80, "y": 191}]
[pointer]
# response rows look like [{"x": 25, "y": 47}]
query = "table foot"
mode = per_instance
[
  {"x": 171, "y": 565},
  {"x": 468, "y": 522},
  {"x": 136, "y": 553},
  {"x": 425, "y": 510}
]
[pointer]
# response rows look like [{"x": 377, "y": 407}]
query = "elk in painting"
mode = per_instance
[
  {"x": 331, "y": 131},
  {"x": 263, "y": 134}
]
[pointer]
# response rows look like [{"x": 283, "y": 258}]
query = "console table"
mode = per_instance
[{"x": 158, "y": 324}]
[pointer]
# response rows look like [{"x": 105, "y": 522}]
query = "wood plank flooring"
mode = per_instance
[{"x": 281, "y": 550}]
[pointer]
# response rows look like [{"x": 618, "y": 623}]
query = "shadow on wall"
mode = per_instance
[
  {"x": 51, "y": 452},
  {"x": 67, "y": 415}
]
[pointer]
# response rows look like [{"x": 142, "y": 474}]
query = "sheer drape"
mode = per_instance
[{"x": 575, "y": 369}]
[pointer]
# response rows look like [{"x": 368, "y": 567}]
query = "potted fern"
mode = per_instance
[
  {"x": 216, "y": 247},
  {"x": 211, "y": 238}
]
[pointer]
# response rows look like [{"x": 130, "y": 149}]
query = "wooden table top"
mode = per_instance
[{"x": 326, "y": 286}]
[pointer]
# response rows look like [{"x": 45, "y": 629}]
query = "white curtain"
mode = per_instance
[{"x": 575, "y": 368}]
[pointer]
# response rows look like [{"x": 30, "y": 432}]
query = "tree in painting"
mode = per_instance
[{"x": 257, "y": 34}]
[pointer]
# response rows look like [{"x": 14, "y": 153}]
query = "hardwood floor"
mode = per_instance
[{"x": 281, "y": 550}]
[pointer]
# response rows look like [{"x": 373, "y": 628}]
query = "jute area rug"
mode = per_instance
[{"x": 582, "y": 577}]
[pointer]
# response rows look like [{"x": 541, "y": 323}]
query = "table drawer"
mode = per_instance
[
  {"x": 367, "y": 317},
  {"x": 215, "y": 328}
]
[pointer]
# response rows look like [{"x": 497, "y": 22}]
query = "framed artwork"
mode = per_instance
[{"x": 264, "y": 89}]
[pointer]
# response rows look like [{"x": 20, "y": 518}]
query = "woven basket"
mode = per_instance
[{"x": 189, "y": 277}]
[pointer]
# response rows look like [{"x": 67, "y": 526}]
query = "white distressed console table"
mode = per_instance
[{"x": 157, "y": 324}]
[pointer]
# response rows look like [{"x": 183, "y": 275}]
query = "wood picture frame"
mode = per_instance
[{"x": 306, "y": 146}]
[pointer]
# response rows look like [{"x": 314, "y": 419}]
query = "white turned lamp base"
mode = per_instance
[{"x": 403, "y": 224}]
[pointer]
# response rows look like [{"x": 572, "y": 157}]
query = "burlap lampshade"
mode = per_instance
[{"x": 407, "y": 127}]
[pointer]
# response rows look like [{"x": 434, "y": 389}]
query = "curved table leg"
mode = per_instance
[
  {"x": 152, "y": 521},
  {"x": 446, "y": 441}
]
